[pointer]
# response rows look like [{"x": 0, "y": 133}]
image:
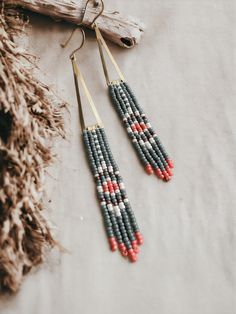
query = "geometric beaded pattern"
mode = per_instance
[
  {"x": 146, "y": 142},
  {"x": 119, "y": 220}
]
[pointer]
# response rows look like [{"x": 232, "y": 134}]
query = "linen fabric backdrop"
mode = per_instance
[{"x": 183, "y": 74}]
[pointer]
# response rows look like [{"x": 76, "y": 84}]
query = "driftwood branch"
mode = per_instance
[{"x": 125, "y": 31}]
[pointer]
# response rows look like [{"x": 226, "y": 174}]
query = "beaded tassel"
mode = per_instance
[
  {"x": 119, "y": 220},
  {"x": 146, "y": 142}
]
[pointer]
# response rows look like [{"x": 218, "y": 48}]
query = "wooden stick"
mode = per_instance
[{"x": 125, "y": 31}]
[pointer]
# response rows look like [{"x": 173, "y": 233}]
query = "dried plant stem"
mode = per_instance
[{"x": 30, "y": 116}]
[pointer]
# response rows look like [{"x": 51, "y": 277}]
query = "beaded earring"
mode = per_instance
[
  {"x": 146, "y": 142},
  {"x": 119, "y": 220}
]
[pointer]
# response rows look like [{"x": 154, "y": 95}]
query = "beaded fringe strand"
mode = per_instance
[
  {"x": 146, "y": 142},
  {"x": 120, "y": 223}
]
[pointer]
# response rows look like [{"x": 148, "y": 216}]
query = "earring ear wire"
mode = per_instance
[
  {"x": 65, "y": 44},
  {"x": 79, "y": 77},
  {"x": 99, "y": 13},
  {"x": 102, "y": 44}
]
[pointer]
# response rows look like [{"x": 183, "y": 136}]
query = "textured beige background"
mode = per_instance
[{"x": 183, "y": 73}]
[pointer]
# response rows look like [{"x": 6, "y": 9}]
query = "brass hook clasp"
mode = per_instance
[
  {"x": 78, "y": 77},
  {"x": 92, "y": 24},
  {"x": 68, "y": 40}
]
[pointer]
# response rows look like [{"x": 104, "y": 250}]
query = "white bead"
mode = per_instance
[
  {"x": 110, "y": 207},
  {"x": 126, "y": 200},
  {"x": 141, "y": 142},
  {"x": 134, "y": 140},
  {"x": 103, "y": 203},
  {"x": 117, "y": 211},
  {"x": 151, "y": 140},
  {"x": 100, "y": 169},
  {"x": 121, "y": 205},
  {"x": 127, "y": 115},
  {"x": 122, "y": 186},
  {"x": 110, "y": 168},
  {"x": 129, "y": 110},
  {"x": 137, "y": 113},
  {"x": 148, "y": 125},
  {"x": 129, "y": 130},
  {"x": 148, "y": 145},
  {"x": 117, "y": 172},
  {"x": 100, "y": 189}
]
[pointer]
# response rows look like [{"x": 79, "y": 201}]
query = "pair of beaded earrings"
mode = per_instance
[{"x": 119, "y": 220}]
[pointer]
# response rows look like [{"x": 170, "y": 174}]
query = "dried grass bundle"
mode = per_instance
[{"x": 30, "y": 116}]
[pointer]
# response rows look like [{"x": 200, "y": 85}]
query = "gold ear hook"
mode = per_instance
[
  {"x": 102, "y": 44},
  {"x": 81, "y": 23},
  {"x": 72, "y": 55},
  {"x": 79, "y": 77},
  {"x": 96, "y": 17}
]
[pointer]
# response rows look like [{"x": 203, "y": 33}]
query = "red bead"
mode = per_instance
[
  {"x": 133, "y": 127},
  {"x": 149, "y": 169},
  {"x": 123, "y": 249},
  {"x": 113, "y": 244},
  {"x": 159, "y": 173},
  {"x": 138, "y": 128},
  {"x": 139, "y": 238},
  {"x": 110, "y": 187},
  {"x": 115, "y": 186},
  {"x": 170, "y": 163},
  {"x": 166, "y": 176},
  {"x": 169, "y": 171},
  {"x": 132, "y": 256},
  {"x": 135, "y": 246},
  {"x": 143, "y": 126},
  {"x": 105, "y": 188}
]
